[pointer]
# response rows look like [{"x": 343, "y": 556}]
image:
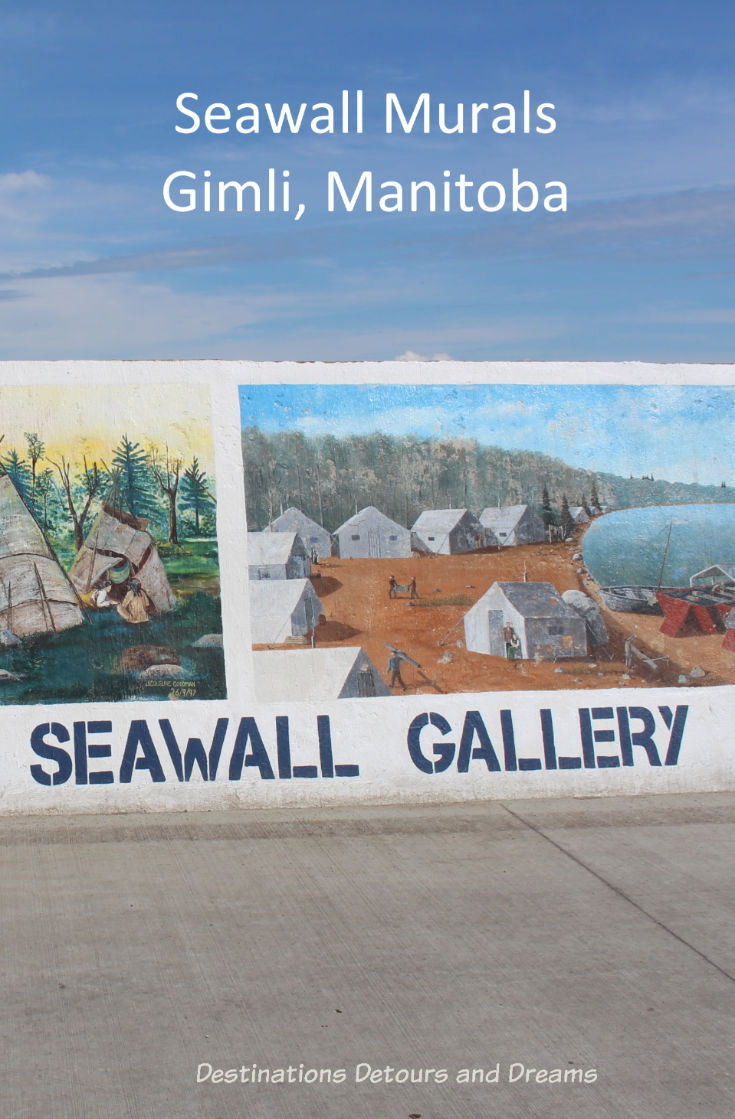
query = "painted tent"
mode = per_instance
[
  {"x": 277, "y": 555},
  {"x": 343, "y": 672},
  {"x": 369, "y": 534},
  {"x": 35, "y": 593},
  {"x": 546, "y": 627},
  {"x": 313, "y": 535},
  {"x": 513, "y": 524},
  {"x": 448, "y": 532},
  {"x": 116, "y": 546},
  {"x": 579, "y": 514},
  {"x": 281, "y": 609}
]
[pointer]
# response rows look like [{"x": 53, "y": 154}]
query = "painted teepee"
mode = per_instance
[{"x": 36, "y": 595}]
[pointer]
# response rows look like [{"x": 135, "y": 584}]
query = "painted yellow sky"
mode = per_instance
[{"x": 79, "y": 420}]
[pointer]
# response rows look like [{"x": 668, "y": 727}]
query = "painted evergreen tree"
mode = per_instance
[
  {"x": 47, "y": 500},
  {"x": 594, "y": 497},
  {"x": 196, "y": 497},
  {"x": 547, "y": 512},
  {"x": 36, "y": 451},
  {"x": 132, "y": 478},
  {"x": 20, "y": 474},
  {"x": 567, "y": 520}
]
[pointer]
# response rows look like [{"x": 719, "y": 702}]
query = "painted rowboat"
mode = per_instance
[
  {"x": 696, "y": 609},
  {"x": 631, "y": 599}
]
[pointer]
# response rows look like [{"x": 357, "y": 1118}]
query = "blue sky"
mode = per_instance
[
  {"x": 93, "y": 264},
  {"x": 676, "y": 433}
]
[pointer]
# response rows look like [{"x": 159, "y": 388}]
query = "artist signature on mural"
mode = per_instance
[{"x": 179, "y": 689}]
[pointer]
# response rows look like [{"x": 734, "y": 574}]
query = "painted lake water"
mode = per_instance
[{"x": 628, "y": 546}]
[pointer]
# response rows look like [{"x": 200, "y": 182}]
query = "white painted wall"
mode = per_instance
[
  {"x": 373, "y": 735},
  {"x": 369, "y": 734}
]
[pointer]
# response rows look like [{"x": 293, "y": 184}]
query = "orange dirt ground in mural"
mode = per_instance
[{"x": 358, "y": 611}]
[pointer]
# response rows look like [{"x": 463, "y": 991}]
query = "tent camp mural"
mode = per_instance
[
  {"x": 494, "y": 537},
  {"x": 109, "y": 575}
]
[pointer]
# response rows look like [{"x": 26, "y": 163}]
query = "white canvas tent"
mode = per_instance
[
  {"x": 448, "y": 532},
  {"x": 513, "y": 524},
  {"x": 36, "y": 595},
  {"x": 277, "y": 555},
  {"x": 313, "y": 536},
  {"x": 369, "y": 534},
  {"x": 117, "y": 541},
  {"x": 343, "y": 672},
  {"x": 282, "y": 608}
]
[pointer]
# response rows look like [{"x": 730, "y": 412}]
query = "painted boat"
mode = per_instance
[
  {"x": 631, "y": 599},
  {"x": 642, "y": 599},
  {"x": 701, "y": 609}
]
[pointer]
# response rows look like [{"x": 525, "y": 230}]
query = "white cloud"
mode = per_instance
[
  {"x": 20, "y": 195},
  {"x": 52, "y": 223},
  {"x": 409, "y": 355},
  {"x": 15, "y": 181},
  {"x": 108, "y": 316}
]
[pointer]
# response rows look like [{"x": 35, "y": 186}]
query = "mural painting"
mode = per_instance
[
  {"x": 489, "y": 537},
  {"x": 109, "y": 574}
]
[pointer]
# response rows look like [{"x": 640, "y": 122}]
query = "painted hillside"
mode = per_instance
[{"x": 328, "y": 478}]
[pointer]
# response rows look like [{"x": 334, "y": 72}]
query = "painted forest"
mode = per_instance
[
  {"x": 104, "y": 652},
  {"x": 330, "y": 478},
  {"x": 65, "y": 493}
]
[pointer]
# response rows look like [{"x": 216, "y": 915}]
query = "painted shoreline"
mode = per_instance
[
  {"x": 359, "y": 612},
  {"x": 683, "y": 653}
]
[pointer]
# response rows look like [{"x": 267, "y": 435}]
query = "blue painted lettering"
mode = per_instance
[
  {"x": 678, "y": 719},
  {"x": 258, "y": 755},
  {"x": 443, "y": 751},
  {"x": 590, "y": 737},
  {"x": 643, "y": 737},
  {"x": 83, "y": 750},
  {"x": 628, "y": 727},
  {"x": 51, "y": 753},
  {"x": 140, "y": 737},
  {"x": 194, "y": 753},
  {"x": 475, "y": 727}
]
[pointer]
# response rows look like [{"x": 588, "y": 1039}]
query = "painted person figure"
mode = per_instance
[
  {"x": 101, "y": 596},
  {"x": 392, "y": 584},
  {"x": 512, "y": 644},
  {"x": 628, "y": 652},
  {"x": 413, "y": 592},
  {"x": 394, "y": 667},
  {"x": 136, "y": 607}
]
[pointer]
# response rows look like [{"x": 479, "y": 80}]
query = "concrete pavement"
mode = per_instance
[{"x": 588, "y": 940}]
